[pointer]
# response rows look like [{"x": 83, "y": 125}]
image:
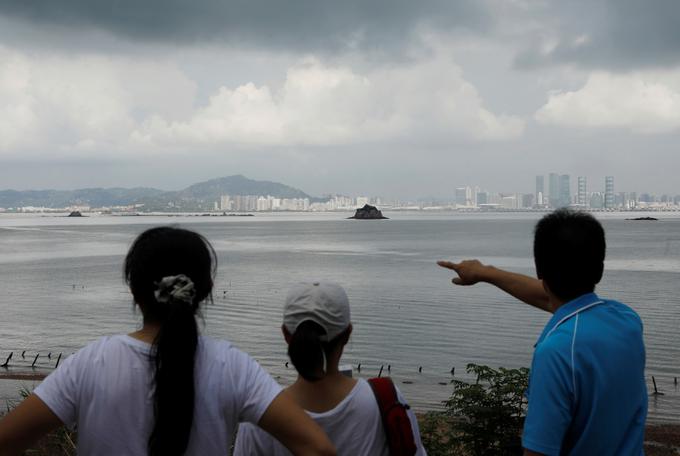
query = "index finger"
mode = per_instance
[{"x": 448, "y": 265}]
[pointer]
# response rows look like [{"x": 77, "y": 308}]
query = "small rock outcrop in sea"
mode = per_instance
[
  {"x": 368, "y": 213},
  {"x": 643, "y": 218},
  {"x": 75, "y": 214}
]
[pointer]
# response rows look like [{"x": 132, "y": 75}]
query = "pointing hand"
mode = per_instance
[{"x": 469, "y": 272}]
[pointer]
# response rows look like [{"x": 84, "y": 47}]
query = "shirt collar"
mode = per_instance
[{"x": 567, "y": 309}]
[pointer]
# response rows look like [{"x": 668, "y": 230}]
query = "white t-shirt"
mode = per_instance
[
  {"x": 106, "y": 389},
  {"x": 354, "y": 426}
]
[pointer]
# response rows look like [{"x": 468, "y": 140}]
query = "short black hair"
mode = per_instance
[{"x": 569, "y": 250}]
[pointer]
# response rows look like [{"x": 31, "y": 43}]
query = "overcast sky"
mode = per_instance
[{"x": 383, "y": 97}]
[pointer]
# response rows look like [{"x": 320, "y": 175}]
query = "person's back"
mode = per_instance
[
  {"x": 317, "y": 327},
  {"x": 354, "y": 426},
  {"x": 591, "y": 357},
  {"x": 587, "y": 392},
  {"x": 230, "y": 387}
]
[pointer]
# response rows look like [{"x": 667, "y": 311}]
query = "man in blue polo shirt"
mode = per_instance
[{"x": 587, "y": 392}]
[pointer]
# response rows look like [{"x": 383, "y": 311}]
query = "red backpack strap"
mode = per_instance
[
  {"x": 397, "y": 425},
  {"x": 385, "y": 393}
]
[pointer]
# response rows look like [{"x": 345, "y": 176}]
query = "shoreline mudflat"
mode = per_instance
[
  {"x": 662, "y": 439},
  {"x": 29, "y": 376}
]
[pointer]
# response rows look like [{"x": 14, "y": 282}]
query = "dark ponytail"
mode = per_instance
[
  {"x": 156, "y": 254},
  {"x": 307, "y": 351}
]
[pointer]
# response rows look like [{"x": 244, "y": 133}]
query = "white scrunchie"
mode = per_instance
[{"x": 176, "y": 288}]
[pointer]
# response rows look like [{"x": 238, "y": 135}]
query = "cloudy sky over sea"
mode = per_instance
[{"x": 392, "y": 97}]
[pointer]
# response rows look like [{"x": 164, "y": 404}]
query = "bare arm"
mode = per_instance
[
  {"x": 291, "y": 426},
  {"x": 25, "y": 425},
  {"x": 522, "y": 287}
]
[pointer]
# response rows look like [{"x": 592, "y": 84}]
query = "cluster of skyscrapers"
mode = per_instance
[
  {"x": 559, "y": 194},
  {"x": 557, "y": 191}
]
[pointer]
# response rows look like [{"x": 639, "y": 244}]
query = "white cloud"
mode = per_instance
[
  {"x": 82, "y": 105},
  {"x": 319, "y": 105},
  {"x": 60, "y": 105},
  {"x": 647, "y": 102}
]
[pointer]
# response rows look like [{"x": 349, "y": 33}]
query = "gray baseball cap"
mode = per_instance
[{"x": 324, "y": 303}]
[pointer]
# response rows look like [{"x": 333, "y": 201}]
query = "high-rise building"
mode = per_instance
[
  {"x": 510, "y": 201},
  {"x": 463, "y": 196},
  {"x": 596, "y": 200},
  {"x": 581, "y": 198},
  {"x": 609, "y": 192},
  {"x": 621, "y": 200},
  {"x": 554, "y": 190},
  {"x": 540, "y": 190},
  {"x": 264, "y": 203},
  {"x": 565, "y": 191},
  {"x": 225, "y": 203}
]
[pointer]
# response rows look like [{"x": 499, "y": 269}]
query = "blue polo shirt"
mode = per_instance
[{"x": 587, "y": 392}]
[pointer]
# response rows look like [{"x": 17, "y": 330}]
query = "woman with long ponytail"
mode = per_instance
[{"x": 163, "y": 390}]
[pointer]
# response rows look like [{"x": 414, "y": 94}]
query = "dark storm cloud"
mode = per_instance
[
  {"x": 298, "y": 24},
  {"x": 608, "y": 34}
]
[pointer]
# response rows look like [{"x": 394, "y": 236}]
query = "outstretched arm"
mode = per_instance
[
  {"x": 291, "y": 426},
  {"x": 26, "y": 424},
  {"x": 522, "y": 287}
]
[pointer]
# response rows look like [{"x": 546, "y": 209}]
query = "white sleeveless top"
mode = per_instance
[{"x": 354, "y": 426}]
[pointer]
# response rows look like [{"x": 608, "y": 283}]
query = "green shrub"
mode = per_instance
[
  {"x": 437, "y": 432},
  {"x": 480, "y": 418}
]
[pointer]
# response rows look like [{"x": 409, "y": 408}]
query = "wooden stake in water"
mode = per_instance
[
  {"x": 7, "y": 360},
  {"x": 35, "y": 360},
  {"x": 58, "y": 359},
  {"x": 381, "y": 369},
  {"x": 656, "y": 391}
]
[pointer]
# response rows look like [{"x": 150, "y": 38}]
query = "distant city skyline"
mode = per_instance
[
  {"x": 559, "y": 193},
  {"x": 556, "y": 184}
]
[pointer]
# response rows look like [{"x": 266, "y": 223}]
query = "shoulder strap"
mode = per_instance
[
  {"x": 385, "y": 394},
  {"x": 396, "y": 423}
]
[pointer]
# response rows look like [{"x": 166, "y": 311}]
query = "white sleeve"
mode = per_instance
[
  {"x": 420, "y": 449},
  {"x": 251, "y": 440},
  {"x": 244, "y": 440},
  {"x": 259, "y": 389},
  {"x": 60, "y": 390}
]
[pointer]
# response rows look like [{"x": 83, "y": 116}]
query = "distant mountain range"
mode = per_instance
[{"x": 200, "y": 196}]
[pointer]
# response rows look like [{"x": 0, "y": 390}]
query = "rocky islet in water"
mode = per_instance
[{"x": 368, "y": 212}]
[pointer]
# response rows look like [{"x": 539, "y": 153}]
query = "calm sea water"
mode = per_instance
[{"x": 62, "y": 287}]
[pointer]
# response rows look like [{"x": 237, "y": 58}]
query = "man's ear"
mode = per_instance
[{"x": 286, "y": 335}]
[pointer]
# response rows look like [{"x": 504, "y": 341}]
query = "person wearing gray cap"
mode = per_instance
[{"x": 316, "y": 327}]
